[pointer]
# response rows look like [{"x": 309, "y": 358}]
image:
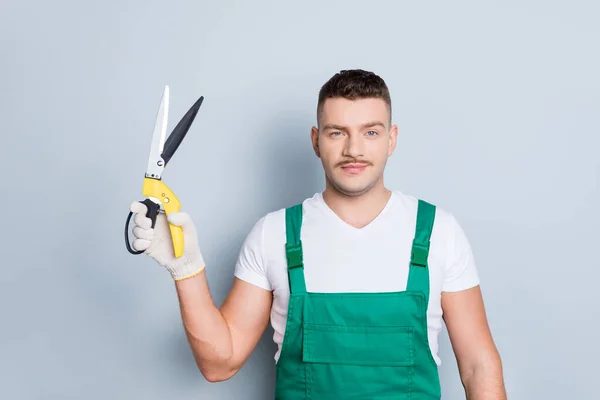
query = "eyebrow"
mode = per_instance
[{"x": 363, "y": 126}]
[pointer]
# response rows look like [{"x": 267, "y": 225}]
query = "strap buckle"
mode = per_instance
[
  {"x": 294, "y": 255},
  {"x": 419, "y": 255}
]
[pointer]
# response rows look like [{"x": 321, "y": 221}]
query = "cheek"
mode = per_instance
[
  {"x": 379, "y": 150},
  {"x": 327, "y": 152},
  {"x": 327, "y": 158}
]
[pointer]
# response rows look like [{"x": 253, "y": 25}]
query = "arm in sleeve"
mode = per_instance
[
  {"x": 250, "y": 266},
  {"x": 461, "y": 271}
]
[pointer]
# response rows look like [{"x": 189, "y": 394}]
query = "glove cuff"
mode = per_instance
[
  {"x": 190, "y": 264},
  {"x": 186, "y": 271}
]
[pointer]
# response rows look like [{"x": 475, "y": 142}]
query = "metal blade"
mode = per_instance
[
  {"x": 156, "y": 163},
  {"x": 180, "y": 131}
]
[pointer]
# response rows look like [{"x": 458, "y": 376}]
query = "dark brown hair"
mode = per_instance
[{"x": 354, "y": 84}]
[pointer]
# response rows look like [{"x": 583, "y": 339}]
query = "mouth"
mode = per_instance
[{"x": 354, "y": 168}]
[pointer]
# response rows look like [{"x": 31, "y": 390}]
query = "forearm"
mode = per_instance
[
  {"x": 484, "y": 380},
  {"x": 206, "y": 329}
]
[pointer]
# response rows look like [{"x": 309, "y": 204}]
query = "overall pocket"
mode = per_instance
[
  {"x": 355, "y": 362},
  {"x": 358, "y": 345}
]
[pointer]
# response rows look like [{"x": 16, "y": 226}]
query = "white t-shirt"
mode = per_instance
[{"x": 341, "y": 258}]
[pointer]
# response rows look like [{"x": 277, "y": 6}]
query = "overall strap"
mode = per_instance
[
  {"x": 293, "y": 249},
  {"x": 418, "y": 276}
]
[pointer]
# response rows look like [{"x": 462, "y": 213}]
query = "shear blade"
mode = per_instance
[
  {"x": 156, "y": 163},
  {"x": 179, "y": 132}
]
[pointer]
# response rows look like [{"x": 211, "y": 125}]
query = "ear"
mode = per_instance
[
  {"x": 393, "y": 136},
  {"x": 314, "y": 138}
]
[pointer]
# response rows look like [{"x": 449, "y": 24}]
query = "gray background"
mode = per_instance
[{"x": 498, "y": 109}]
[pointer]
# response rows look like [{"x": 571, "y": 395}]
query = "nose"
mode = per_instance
[{"x": 353, "y": 146}]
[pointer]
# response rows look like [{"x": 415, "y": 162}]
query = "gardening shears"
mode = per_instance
[{"x": 159, "y": 197}]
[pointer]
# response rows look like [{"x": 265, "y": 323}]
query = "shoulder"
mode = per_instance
[
  {"x": 262, "y": 248},
  {"x": 450, "y": 247},
  {"x": 447, "y": 236},
  {"x": 270, "y": 227}
]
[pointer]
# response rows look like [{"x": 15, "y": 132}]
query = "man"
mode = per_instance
[{"x": 355, "y": 280}]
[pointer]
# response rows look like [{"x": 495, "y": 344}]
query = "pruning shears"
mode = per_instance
[{"x": 159, "y": 197}]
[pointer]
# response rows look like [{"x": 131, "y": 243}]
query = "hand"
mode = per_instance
[{"x": 157, "y": 243}]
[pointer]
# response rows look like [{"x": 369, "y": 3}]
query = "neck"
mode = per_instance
[{"x": 357, "y": 211}]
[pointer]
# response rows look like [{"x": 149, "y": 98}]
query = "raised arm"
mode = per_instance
[{"x": 221, "y": 339}]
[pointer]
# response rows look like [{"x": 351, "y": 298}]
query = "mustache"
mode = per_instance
[{"x": 347, "y": 162}]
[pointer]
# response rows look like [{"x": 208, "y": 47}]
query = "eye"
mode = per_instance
[
  {"x": 335, "y": 133},
  {"x": 372, "y": 133}
]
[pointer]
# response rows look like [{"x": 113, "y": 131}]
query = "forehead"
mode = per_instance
[{"x": 353, "y": 113}]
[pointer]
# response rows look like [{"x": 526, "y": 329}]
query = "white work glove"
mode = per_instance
[{"x": 157, "y": 243}]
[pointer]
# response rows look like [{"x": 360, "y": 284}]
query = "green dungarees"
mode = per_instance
[{"x": 367, "y": 346}]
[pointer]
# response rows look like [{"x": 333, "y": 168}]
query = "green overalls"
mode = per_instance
[{"x": 367, "y": 346}]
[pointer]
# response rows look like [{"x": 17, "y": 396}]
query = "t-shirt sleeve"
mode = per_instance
[
  {"x": 250, "y": 265},
  {"x": 461, "y": 272}
]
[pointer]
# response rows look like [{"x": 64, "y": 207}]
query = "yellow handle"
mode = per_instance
[{"x": 157, "y": 189}]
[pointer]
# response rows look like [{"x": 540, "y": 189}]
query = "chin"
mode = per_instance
[{"x": 351, "y": 189}]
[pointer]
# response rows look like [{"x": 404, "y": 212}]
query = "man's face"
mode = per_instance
[{"x": 354, "y": 141}]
